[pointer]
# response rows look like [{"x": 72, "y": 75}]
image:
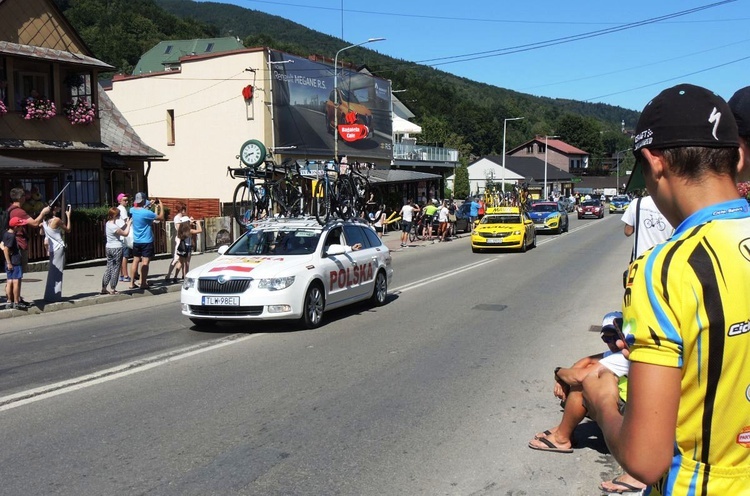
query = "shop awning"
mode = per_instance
[
  {"x": 402, "y": 126},
  {"x": 8, "y": 164}
]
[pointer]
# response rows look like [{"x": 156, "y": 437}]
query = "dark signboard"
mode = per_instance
[{"x": 304, "y": 110}]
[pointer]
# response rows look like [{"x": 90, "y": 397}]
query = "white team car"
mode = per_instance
[{"x": 289, "y": 269}]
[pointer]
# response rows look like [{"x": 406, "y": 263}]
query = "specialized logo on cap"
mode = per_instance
[
  {"x": 715, "y": 119},
  {"x": 644, "y": 138}
]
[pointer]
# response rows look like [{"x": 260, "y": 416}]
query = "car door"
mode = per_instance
[
  {"x": 364, "y": 260},
  {"x": 530, "y": 229},
  {"x": 338, "y": 269}
]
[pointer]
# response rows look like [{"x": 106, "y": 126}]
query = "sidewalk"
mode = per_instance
[{"x": 82, "y": 281}]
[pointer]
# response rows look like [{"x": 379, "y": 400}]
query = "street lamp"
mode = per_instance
[
  {"x": 505, "y": 123},
  {"x": 617, "y": 158},
  {"x": 546, "y": 138},
  {"x": 336, "y": 94}
]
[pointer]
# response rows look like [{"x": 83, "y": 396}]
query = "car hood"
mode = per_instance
[
  {"x": 543, "y": 215},
  {"x": 252, "y": 266}
]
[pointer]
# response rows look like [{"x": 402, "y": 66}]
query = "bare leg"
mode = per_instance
[
  {"x": 133, "y": 270},
  {"x": 144, "y": 273}
]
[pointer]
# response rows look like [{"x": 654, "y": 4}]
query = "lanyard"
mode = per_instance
[{"x": 733, "y": 209}]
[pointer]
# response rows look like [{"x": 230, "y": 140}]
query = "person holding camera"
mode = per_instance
[
  {"x": 53, "y": 228},
  {"x": 143, "y": 236}
]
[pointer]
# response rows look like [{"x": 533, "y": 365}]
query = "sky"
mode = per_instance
[{"x": 619, "y": 53}]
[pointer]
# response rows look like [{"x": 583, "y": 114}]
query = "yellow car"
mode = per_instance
[{"x": 503, "y": 227}]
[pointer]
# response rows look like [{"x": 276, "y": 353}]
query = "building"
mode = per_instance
[
  {"x": 207, "y": 103},
  {"x": 52, "y": 121},
  {"x": 556, "y": 152},
  {"x": 522, "y": 171}
]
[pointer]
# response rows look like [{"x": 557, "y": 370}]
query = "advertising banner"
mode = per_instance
[{"x": 304, "y": 109}]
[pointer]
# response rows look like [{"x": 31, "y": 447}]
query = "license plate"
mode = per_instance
[
  {"x": 227, "y": 301},
  {"x": 494, "y": 241}
]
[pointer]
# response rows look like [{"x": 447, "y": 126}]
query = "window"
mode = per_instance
[
  {"x": 168, "y": 50},
  {"x": 354, "y": 235},
  {"x": 79, "y": 87},
  {"x": 170, "y": 127},
  {"x": 84, "y": 188},
  {"x": 530, "y": 149},
  {"x": 209, "y": 47},
  {"x": 372, "y": 238},
  {"x": 31, "y": 84}
]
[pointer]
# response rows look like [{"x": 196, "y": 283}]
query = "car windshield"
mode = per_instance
[
  {"x": 501, "y": 219},
  {"x": 543, "y": 207},
  {"x": 591, "y": 203},
  {"x": 621, "y": 199},
  {"x": 276, "y": 242},
  {"x": 348, "y": 96}
]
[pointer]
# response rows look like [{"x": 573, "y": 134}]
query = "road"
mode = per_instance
[{"x": 437, "y": 392}]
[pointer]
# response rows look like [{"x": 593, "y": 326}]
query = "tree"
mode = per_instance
[
  {"x": 461, "y": 183},
  {"x": 582, "y": 132}
]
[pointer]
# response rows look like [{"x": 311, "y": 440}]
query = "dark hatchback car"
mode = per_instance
[
  {"x": 462, "y": 218},
  {"x": 591, "y": 208}
]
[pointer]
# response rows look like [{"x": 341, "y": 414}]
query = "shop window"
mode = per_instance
[
  {"x": 31, "y": 85},
  {"x": 84, "y": 188}
]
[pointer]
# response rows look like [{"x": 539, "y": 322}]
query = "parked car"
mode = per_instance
[
  {"x": 549, "y": 216},
  {"x": 462, "y": 218},
  {"x": 289, "y": 269},
  {"x": 591, "y": 208},
  {"x": 503, "y": 227},
  {"x": 619, "y": 204}
]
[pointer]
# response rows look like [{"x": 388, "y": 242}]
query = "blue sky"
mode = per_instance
[{"x": 620, "y": 53}]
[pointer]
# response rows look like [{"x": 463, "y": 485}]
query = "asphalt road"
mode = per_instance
[{"x": 437, "y": 392}]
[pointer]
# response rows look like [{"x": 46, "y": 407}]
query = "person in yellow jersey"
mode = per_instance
[{"x": 686, "y": 309}]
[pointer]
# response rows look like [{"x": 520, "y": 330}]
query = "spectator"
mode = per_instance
[
  {"x": 429, "y": 214},
  {"x": 54, "y": 228},
  {"x": 740, "y": 105},
  {"x": 473, "y": 211},
  {"x": 379, "y": 220},
  {"x": 480, "y": 209},
  {"x": 451, "y": 219},
  {"x": 685, "y": 309},
  {"x": 13, "y": 266},
  {"x": 568, "y": 389},
  {"x": 184, "y": 246},
  {"x": 122, "y": 208},
  {"x": 17, "y": 195},
  {"x": 443, "y": 214},
  {"x": 180, "y": 217},
  {"x": 407, "y": 217},
  {"x": 114, "y": 235},
  {"x": 650, "y": 229},
  {"x": 143, "y": 236}
]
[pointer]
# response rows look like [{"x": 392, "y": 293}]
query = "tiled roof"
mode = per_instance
[
  {"x": 8, "y": 48},
  {"x": 553, "y": 143},
  {"x": 169, "y": 52},
  {"x": 118, "y": 134}
]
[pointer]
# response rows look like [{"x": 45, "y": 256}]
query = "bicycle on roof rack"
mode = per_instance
[{"x": 261, "y": 193}]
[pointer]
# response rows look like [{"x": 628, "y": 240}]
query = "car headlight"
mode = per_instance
[
  {"x": 516, "y": 233},
  {"x": 275, "y": 283},
  {"x": 188, "y": 283}
]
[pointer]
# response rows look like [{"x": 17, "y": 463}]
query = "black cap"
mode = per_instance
[
  {"x": 740, "y": 105},
  {"x": 681, "y": 116}
]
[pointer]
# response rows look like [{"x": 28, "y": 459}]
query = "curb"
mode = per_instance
[{"x": 86, "y": 301}]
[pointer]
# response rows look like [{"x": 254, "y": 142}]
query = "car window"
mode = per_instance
[
  {"x": 543, "y": 207},
  {"x": 355, "y": 235},
  {"x": 276, "y": 242},
  {"x": 501, "y": 219},
  {"x": 373, "y": 238},
  {"x": 334, "y": 237}
]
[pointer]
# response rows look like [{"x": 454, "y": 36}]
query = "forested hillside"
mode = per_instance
[{"x": 453, "y": 111}]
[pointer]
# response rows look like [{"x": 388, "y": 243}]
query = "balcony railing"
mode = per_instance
[{"x": 423, "y": 153}]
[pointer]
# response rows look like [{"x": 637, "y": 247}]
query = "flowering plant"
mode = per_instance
[
  {"x": 744, "y": 190},
  {"x": 39, "y": 108},
  {"x": 3, "y": 108},
  {"x": 80, "y": 112}
]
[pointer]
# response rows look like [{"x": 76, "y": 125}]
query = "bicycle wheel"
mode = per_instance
[
  {"x": 362, "y": 193},
  {"x": 322, "y": 202},
  {"x": 413, "y": 232},
  {"x": 345, "y": 201},
  {"x": 243, "y": 203}
]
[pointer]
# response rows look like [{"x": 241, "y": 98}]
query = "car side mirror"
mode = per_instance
[
  {"x": 334, "y": 250},
  {"x": 223, "y": 249}
]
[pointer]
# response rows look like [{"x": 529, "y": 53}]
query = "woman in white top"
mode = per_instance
[
  {"x": 379, "y": 220},
  {"x": 114, "y": 234},
  {"x": 53, "y": 228}
]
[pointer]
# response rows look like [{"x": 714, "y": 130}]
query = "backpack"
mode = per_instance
[
  {"x": 5, "y": 218},
  {"x": 182, "y": 249}
]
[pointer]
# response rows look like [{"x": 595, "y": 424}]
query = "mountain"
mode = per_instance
[{"x": 453, "y": 111}]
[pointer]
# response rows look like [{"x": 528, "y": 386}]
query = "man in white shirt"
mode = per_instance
[
  {"x": 407, "y": 216},
  {"x": 652, "y": 228}
]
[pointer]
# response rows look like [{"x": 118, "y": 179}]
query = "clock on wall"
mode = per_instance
[{"x": 252, "y": 153}]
